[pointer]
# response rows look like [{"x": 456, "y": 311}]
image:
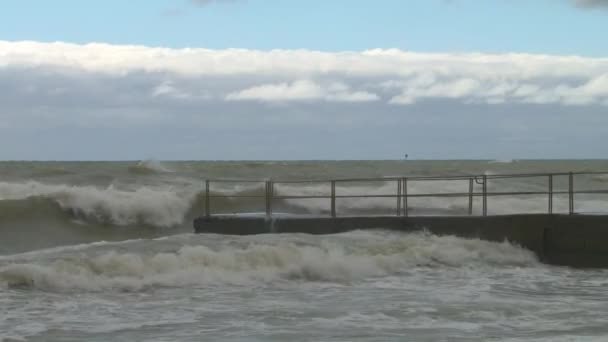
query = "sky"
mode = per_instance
[{"x": 270, "y": 79}]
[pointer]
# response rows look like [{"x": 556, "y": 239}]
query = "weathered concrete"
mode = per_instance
[{"x": 576, "y": 240}]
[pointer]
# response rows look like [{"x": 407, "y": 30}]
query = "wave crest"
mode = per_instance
[
  {"x": 341, "y": 259},
  {"x": 156, "y": 207},
  {"x": 149, "y": 166}
]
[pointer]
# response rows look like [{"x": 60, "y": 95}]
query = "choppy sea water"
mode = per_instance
[{"x": 105, "y": 251}]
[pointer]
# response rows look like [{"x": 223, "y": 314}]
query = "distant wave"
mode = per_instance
[
  {"x": 600, "y": 178},
  {"x": 50, "y": 171},
  {"x": 343, "y": 258},
  {"x": 149, "y": 167},
  {"x": 502, "y": 161}
]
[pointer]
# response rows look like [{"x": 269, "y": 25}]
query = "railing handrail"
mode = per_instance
[
  {"x": 412, "y": 178},
  {"x": 402, "y": 193}
]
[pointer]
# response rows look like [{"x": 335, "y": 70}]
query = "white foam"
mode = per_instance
[
  {"x": 152, "y": 165},
  {"x": 154, "y": 206},
  {"x": 340, "y": 259}
]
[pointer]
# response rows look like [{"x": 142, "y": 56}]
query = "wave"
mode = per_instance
[
  {"x": 342, "y": 258},
  {"x": 150, "y": 166},
  {"x": 171, "y": 206},
  {"x": 152, "y": 206},
  {"x": 377, "y": 205},
  {"x": 145, "y": 205},
  {"x": 502, "y": 161},
  {"x": 50, "y": 171},
  {"x": 168, "y": 206},
  {"x": 600, "y": 178}
]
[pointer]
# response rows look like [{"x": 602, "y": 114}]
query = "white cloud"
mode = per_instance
[
  {"x": 123, "y": 74},
  {"x": 594, "y": 90},
  {"x": 122, "y": 59},
  {"x": 301, "y": 90},
  {"x": 356, "y": 96},
  {"x": 168, "y": 89}
]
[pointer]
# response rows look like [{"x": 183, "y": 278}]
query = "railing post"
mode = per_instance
[
  {"x": 550, "y": 194},
  {"x": 269, "y": 193},
  {"x": 485, "y": 195},
  {"x": 333, "y": 198},
  {"x": 570, "y": 193},
  {"x": 207, "y": 204},
  {"x": 399, "y": 197},
  {"x": 470, "y": 196},
  {"x": 405, "y": 198},
  {"x": 271, "y": 198}
]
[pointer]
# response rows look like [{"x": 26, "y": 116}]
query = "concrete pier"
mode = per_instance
[{"x": 569, "y": 240}]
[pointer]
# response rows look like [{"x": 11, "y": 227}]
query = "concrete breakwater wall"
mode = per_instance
[{"x": 569, "y": 240}]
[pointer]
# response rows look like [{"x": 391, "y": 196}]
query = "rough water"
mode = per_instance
[{"x": 102, "y": 251}]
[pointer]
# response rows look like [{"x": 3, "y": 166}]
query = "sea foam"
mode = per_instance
[
  {"x": 345, "y": 258},
  {"x": 145, "y": 205}
]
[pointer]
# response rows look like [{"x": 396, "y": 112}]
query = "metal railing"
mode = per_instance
[{"x": 403, "y": 195}]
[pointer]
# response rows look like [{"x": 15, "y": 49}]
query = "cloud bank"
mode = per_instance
[
  {"x": 101, "y": 101},
  {"x": 391, "y": 77}
]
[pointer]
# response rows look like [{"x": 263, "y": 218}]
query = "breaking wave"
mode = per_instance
[
  {"x": 170, "y": 206},
  {"x": 342, "y": 258},
  {"x": 150, "y": 166},
  {"x": 145, "y": 205}
]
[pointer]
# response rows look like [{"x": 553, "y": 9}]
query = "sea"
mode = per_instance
[{"x": 105, "y": 251}]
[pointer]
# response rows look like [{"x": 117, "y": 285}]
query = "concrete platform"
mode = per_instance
[{"x": 569, "y": 240}]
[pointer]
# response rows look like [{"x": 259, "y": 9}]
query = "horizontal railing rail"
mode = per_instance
[{"x": 403, "y": 193}]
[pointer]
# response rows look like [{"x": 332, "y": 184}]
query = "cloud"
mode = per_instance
[
  {"x": 593, "y": 91},
  {"x": 117, "y": 75},
  {"x": 102, "y": 101},
  {"x": 168, "y": 89},
  {"x": 301, "y": 90},
  {"x": 591, "y": 3}
]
